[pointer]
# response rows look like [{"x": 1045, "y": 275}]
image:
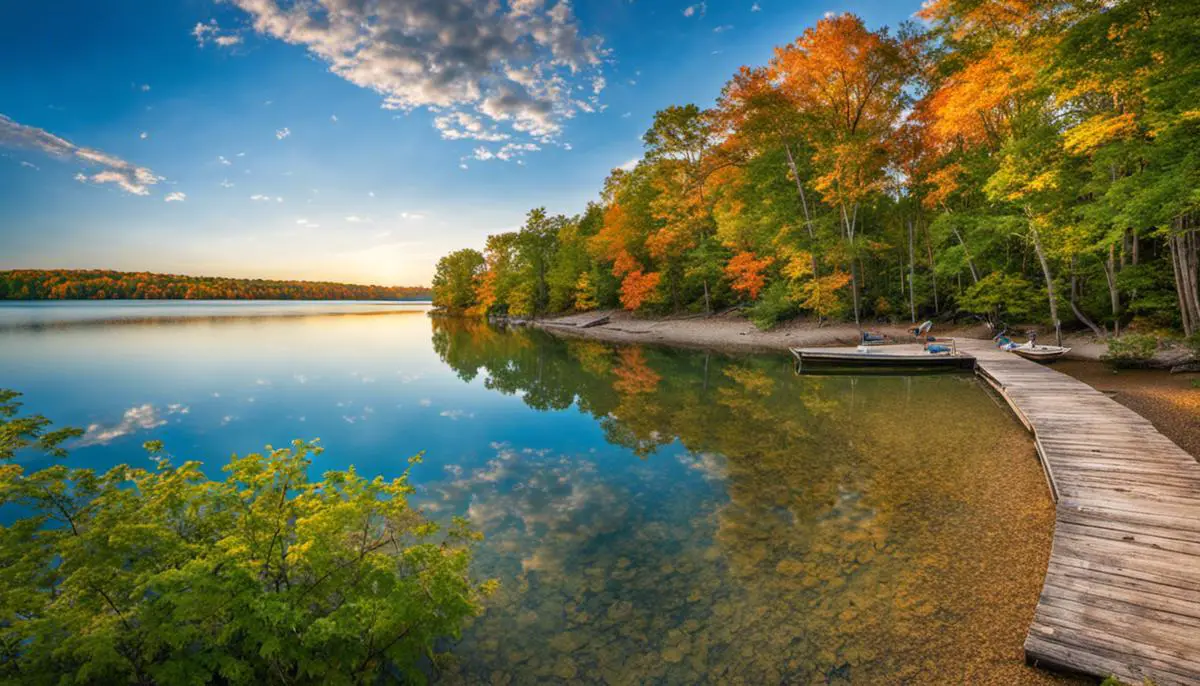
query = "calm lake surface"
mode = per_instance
[{"x": 652, "y": 515}]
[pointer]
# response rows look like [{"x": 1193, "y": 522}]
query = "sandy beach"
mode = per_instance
[{"x": 731, "y": 332}]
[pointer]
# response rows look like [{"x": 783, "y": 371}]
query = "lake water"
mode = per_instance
[{"x": 652, "y": 515}]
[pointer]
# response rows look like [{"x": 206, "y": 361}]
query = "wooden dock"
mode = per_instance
[
  {"x": 904, "y": 358},
  {"x": 1122, "y": 590}
]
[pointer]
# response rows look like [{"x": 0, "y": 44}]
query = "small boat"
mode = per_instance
[
  {"x": 1040, "y": 353},
  {"x": 901, "y": 359},
  {"x": 1030, "y": 349}
]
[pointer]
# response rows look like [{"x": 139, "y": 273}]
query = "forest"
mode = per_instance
[
  {"x": 95, "y": 284},
  {"x": 1008, "y": 160}
]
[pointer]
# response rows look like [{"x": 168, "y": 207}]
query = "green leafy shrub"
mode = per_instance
[
  {"x": 265, "y": 577},
  {"x": 773, "y": 305},
  {"x": 1131, "y": 350},
  {"x": 999, "y": 296}
]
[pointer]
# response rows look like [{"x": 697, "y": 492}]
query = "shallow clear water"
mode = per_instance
[{"x": 652, "y": 515}]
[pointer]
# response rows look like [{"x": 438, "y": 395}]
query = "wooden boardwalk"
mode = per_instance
[{"x": 1122, "y": 590}]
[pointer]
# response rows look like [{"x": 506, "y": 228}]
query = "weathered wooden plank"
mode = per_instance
[{"x": 1122, "y": 589}]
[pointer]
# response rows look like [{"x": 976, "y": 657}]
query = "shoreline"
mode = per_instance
[
  {"x": 732, "y": 333},
  {"x": 1169, "y": 401}
]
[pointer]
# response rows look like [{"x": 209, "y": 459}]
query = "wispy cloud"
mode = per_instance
[
  {"x": 212, "y": 33},
  {"x": 459, "y": 125},
  {"x": 175, "y": 196},
  {"x": 265, "y": 198},
  {"x": 128, "y": 177},
  {"x": 225, "y": 183},
  {"x": 280, "y": 134},
  {"x": 756, "y": 7},
  {"x": 628, "y": 166},
  {"x": 723, "y": 28},
  {"x": 508, "y": 151},
  {"x": 696, "y": 10}
]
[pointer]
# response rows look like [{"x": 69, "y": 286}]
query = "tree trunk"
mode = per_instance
[
  {"x": 1114, "y": 296},
  {"x": 812, "y": 235},
  {"x": 970, "y": 263},
  {"x": 1075, "y": 308},
  {"x": 912, "y": 298},
  {"x": 848, "y": 220},
  {"x": 707, "y": 306},
  {"x": 932, "y": 271},
  {"x": 1041, "y": 255},
  {"x": 1185, "y": 263}
]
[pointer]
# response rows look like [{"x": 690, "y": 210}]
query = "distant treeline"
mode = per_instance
[{"x": 98, "y": 284}]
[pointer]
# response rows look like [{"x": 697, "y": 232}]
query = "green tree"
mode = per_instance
[
  {"x": 456, "y": 278},
  {"x": 164, "y": 576}
]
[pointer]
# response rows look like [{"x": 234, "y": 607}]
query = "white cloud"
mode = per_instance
[
  {"x": 280, "y": 134},
  {"x": 308, "y": 224},
  {"x": 412, "y": 216},
  {"x": 143, "y": 135},
  {"x": 142, "y": 417},
  {"x": 225, "y": 184},
  {"x": 240, "y": 154},
  {"x": 129, "y": 177},
  {"x": 459, "y": 125},
  {"x": 222, "y": 160},
  {"x": 628, "y": 166},
  {"x": 723, "y": 28},
  {"x": 355, "y": 219},
  {"x": 145, "y": 87},
  {"x": 756, "y": 7},
  {"x": 512, "y": 62},
  {"x": 212, "y": 33},
  {"x": 455, "y": 415},
  {"x": 696, "y": 10},
  {"x": 175, "y": 197},
  {"x": 425, "y": 402},
  {"x": 506, "y": 152},
  {"x": 265, "y": 198},
  {"x": 30, "y": 165},
  {"x": 333, "y": 118}
]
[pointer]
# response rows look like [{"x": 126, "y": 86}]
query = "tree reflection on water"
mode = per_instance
[{"x": 829, "y": 529}]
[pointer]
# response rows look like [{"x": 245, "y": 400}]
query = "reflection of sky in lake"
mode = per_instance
[
  {"x": 681, "y": 517},
  {"x": 369, "y": 386}
]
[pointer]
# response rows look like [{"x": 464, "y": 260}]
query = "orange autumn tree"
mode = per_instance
[
  {"x": 747, "y": 273},
  {"x": 622, "y": 239},
  {"x": 639, "y": 289},
  {"x": 848, "y": 82}
]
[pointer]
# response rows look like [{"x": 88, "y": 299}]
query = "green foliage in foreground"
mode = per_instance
[
  {"x": 1131, "y": 350},
  {"x": 164, "y": 576}
]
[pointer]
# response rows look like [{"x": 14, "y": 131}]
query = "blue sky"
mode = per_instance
[{"x": 353, "y": 140}]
